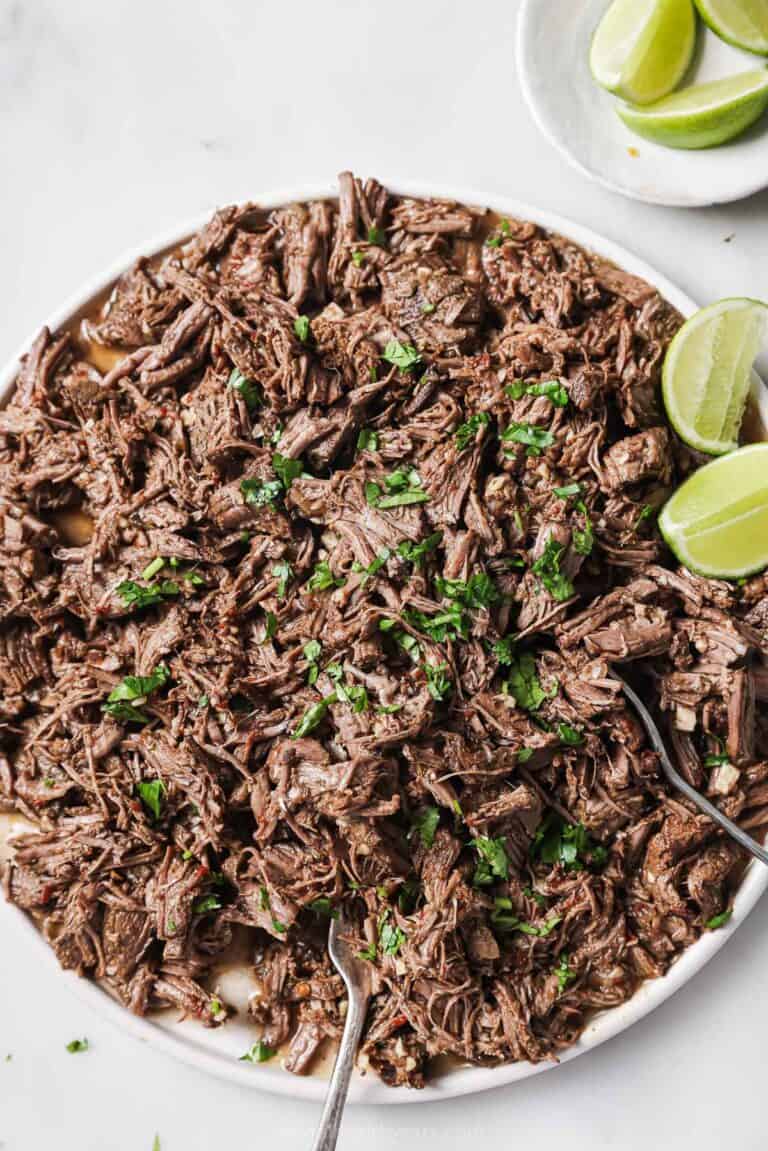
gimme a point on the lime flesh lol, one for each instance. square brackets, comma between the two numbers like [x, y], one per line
[642, 48]
[703, 115]
[707, 373]
[740, 22]
[716, 523]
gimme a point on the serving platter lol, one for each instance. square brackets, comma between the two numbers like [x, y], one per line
[217, 1052]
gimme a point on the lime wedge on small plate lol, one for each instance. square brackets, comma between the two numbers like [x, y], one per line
[642, 48]
[743, 23]
[703, 115]
[708, 371]
[716, 523]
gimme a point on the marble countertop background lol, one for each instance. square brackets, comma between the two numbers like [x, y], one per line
[120, 118]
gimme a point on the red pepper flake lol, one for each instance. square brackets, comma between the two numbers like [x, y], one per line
[398, 1022]
[202, 871]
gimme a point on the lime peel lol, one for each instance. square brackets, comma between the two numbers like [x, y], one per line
[642, 48]
[743, 23]
[702, 115]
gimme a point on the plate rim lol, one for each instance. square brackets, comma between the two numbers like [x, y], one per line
[527, 13]
[463, 1080]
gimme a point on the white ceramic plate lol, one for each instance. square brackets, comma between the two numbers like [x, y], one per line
[578, 117]
[218, 1051]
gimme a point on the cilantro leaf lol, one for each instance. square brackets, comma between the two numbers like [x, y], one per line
[322, 578]
[206, 904]
[283, 573]
[76, 1045]
[138, 596]
[466, 432]
[376, 564]
[414, 553]
[391, 938]
[504, 650]
[535, 439]
[569, 490]
[260, 1052]
[124, 701]
[547, 568]
[323, 906]
[313, 716]
[439, 685]
[301, 328]
[569, 735]
[376, 235]
[524, 683]
[286, 469]
[358, 258]
[583, 540]
[493, 862]
[403, 356]
[564, 972]
[151, 792]
[478, 591]
[367, 440]
[719, 920]
[260, 493]
[557, 841]
[424, 823]
[552, 389]
[250, 391]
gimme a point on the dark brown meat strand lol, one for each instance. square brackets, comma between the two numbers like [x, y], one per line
[413, 762]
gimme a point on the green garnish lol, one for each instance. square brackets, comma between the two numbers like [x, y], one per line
[478, 591]
[391, 938]
[414, 553]
[718, 920]
[404, 487]
[535, 439]
[376, 564]
[124, 702]
[260, 493]
[403, 356]
[286, 469]
[524, 684]
[493, 861]
[313, 716]
[503, 921]
[151, 792]
[552, 389]
[424, 823]
[302, 329]
[358, 258]
[557, 841]
[547, 568]
[368, 953]
[504, 650]
[367, 440]
[439, 685]
[206, 904]
[135, 596]
[322, 578]
[353, 694]
[76, 1045]
[283, 573]
[376, 236]
[270, 625]
[466, 432]
[583, 540]
[258, 1053]
[388, 708]
[569, 490]
[323, 906]
[716, 760]
[564, 972]
[569, 735]
[153, 568]
[646, 512]
[250, 391]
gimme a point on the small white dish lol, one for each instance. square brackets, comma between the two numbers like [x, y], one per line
[217, 1051]
[579, 118]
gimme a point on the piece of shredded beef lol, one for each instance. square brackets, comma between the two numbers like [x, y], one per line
[369, 499]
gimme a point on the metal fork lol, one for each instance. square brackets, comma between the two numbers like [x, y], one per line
[746, 841]
[356, 978]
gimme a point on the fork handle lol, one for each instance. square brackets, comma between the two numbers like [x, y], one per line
[330, 1120]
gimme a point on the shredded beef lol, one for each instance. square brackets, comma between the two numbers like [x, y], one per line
[370, 498]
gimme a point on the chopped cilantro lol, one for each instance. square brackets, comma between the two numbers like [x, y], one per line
[478, 591]
[504, 921]
[466, 432]
[151, 792]
[206, 904]
[358, 258]
[569, 735]
[402, 486]
[250, 391]
[136, 596]
[414, 553]
[535, 439]
[323, 906]
[504, 649]
[286, 469]
[493, 862]
[552, 389]
[313, 716]
[124, 702]
[403, 356]
[547, 568]
[153, 568]
[557, 841]
[322, 578]
[302, 329]
[564, 972]
[716, 760]
[524, 754]
[439, 685]
[260, 493]
[260, 1052]
[376, 236]
[424, 823]
[76, 1045]
[391, 938]
[567, 491]
[524, 683]
[368, 440]
[270, 625]
[376, 564]
[368, 953]
[646, 512]
[719, 920]
[283, 573]
[388, 708]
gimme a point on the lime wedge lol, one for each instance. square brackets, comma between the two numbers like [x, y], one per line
[703, 115]
[717, 522]
[740, 22]
[642, 48]
[707, 373]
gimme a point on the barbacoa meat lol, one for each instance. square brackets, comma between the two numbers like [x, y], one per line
[366, 510]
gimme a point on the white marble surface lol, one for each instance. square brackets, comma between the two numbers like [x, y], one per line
[117, 119]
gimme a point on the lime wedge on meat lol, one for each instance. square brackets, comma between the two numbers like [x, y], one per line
[743, 23]
[707, 373]
[703, 115]
[642, 48]
[716, 523]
